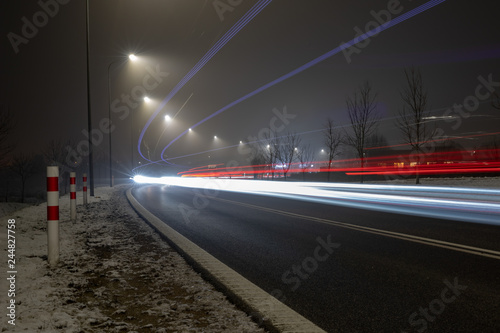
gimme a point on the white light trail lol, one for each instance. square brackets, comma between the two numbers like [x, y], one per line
[454, 203]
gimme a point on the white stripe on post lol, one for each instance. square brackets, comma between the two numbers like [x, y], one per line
[72, 195]
[53, 215]
[84, 188]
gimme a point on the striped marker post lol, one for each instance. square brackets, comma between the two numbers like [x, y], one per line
[84, 188]
[53, 215]
[72, 195]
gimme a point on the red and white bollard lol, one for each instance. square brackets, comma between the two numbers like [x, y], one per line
[72, 195]
[84, 188]
[53, 215]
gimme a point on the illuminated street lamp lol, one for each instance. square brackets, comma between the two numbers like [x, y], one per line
[132, 57]
[167, 118]
[147, 99]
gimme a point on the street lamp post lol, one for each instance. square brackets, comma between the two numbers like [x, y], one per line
[146, 100]
[89, 111]
[132, 57]
[109, 117]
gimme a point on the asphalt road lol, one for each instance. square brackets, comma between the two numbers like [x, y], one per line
[346, 269]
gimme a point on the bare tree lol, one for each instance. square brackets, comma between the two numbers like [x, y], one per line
[55, 153]
[288, 151]
[362, 111]
[412, 118]
[332, 140]
[271, 151]
[257, 160]
[6, 127]
[24, 167]
[305, 155]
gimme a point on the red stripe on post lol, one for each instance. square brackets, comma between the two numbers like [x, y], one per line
[84, 179]
[52, 184]
[72, 195]
[85, 189]
[52, 213]
[72, 180]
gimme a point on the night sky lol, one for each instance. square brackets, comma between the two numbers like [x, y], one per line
[44, 76]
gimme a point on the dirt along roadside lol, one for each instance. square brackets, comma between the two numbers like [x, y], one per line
[115, 275]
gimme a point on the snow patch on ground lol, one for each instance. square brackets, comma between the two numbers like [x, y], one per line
[115, 275]
[7, 208]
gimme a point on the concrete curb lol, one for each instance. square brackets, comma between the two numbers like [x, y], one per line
[265, 309]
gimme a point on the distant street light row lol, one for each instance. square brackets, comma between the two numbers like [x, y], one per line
[133, 57]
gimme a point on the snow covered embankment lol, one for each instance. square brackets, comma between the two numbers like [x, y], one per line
[115, 275]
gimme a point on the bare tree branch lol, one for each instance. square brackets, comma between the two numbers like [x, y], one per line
[271, 151]
[305, 155]
[24, 167]
[362, 111]
[332, 140]
[412, 118]
[288, 150]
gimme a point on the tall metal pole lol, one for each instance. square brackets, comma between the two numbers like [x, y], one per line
[91, 160]
[109, 118]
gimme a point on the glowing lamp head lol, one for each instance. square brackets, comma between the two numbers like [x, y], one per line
[132, 57]
[147, 99]
[167, 118]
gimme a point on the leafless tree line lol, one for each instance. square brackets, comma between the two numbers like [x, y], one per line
[364, 117]
[285, 151]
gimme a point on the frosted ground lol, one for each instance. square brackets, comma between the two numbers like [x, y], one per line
[116, 274]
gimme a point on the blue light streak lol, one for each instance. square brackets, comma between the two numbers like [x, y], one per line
[256, 9]
[313, 62]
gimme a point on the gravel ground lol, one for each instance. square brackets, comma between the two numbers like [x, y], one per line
[115, 275]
